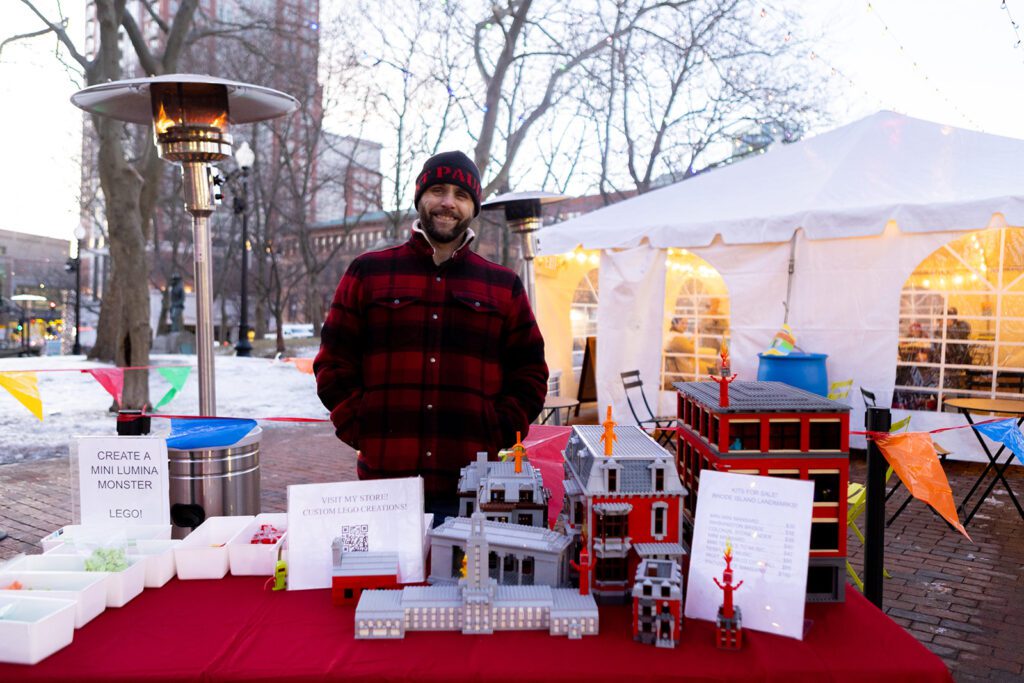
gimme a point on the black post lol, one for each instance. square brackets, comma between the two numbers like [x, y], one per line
[875, 420]
[243, 347]
[77, 348]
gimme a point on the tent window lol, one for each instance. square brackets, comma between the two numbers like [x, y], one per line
[696, 318]
[583, 315]
[961, 331]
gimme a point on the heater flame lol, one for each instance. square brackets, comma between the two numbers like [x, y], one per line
[163, 122]
[220, 121]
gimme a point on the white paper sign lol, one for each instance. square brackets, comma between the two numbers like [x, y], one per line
[767, 521]
[376, 515]
[122, 479]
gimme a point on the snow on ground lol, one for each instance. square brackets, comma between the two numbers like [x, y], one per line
[75, 403]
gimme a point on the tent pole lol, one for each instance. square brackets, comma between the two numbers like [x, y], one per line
[789, 281]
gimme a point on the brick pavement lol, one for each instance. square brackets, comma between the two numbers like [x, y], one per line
[963, 601]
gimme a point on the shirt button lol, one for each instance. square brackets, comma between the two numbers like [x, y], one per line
[438, 278]
[396, 301]
[430, 406]
[475, 303]
[433, 360]
[434, 316]
[428, 454]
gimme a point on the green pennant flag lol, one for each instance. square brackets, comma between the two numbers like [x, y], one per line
[176, 377]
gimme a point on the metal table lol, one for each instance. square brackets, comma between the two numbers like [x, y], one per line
[990, 406]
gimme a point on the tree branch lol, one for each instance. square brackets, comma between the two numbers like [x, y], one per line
[62, 35]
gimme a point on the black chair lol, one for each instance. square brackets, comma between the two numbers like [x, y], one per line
[662, 428]
[869, 397]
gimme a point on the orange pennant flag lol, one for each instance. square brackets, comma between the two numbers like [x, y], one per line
[303, 364]
[912, 455]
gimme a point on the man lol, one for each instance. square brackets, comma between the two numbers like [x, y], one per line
[430, 353]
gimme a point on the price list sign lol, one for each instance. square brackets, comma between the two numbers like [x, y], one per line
[766, 521]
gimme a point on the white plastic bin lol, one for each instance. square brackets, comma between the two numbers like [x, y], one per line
[98, 533]
[122, 586]
[159, 557]
[256, 559]
[86, 589]
[203, 554]
[32, 629]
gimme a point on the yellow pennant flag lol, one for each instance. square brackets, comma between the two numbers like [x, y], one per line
[24, 386]
[912, 455]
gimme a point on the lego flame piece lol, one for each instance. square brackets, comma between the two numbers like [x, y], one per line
[609, 437]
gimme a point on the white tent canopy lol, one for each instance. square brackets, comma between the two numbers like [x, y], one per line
[867, 202]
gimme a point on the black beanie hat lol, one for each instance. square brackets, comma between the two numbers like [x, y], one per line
[451, 168]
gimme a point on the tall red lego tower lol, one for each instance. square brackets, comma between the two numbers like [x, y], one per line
[773, 429]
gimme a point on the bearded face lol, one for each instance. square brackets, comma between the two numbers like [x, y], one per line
[446, 212]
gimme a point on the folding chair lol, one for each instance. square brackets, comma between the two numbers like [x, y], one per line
[661, 428]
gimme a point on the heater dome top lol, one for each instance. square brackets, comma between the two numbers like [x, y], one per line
[129, 100]
[512, 197]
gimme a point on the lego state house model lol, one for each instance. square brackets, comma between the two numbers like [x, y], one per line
[477, 604]
[511, 491]
[771, 428]
[621, 508]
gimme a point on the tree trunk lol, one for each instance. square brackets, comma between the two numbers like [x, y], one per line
[127, 300]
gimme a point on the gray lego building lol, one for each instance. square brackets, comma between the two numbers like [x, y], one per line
[476, 605]
[502, 494]
[519, 555]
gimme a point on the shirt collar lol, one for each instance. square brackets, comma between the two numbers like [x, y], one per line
[425, 245]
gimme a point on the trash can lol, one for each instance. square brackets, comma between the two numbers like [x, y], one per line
[214, 482]
[802, 370]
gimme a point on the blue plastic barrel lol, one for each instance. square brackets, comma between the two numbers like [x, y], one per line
[804, 370]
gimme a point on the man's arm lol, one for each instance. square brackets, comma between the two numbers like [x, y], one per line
[525, 373]
[338, 365]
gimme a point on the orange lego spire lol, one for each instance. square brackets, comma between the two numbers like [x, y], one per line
[609, 437]
[518, 453]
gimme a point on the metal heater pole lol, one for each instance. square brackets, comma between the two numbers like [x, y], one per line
[875, 420]
[199, 203]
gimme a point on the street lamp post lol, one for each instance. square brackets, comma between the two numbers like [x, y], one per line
[245, 158]
[79, 236]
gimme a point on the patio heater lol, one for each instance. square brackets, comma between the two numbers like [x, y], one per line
[523, 217]
[190, 115]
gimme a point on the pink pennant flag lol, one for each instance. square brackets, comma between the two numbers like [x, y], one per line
[112, 380]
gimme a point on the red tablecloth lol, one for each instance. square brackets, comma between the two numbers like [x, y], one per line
[232, 630]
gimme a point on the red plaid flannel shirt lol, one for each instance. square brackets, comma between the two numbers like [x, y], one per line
[422, 366]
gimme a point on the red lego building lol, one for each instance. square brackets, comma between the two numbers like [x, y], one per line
[658, 603]
[773, 429]
[625, 507]
[355, 572]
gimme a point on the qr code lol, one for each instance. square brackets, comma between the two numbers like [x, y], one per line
[355, 537]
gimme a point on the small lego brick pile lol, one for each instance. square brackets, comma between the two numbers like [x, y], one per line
[268, 534]
[107, 560]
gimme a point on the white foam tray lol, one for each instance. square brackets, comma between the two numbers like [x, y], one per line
[32, 629]
[122, 586]
[256, 559]
[104, 532]
[88, 590]
[203, 554]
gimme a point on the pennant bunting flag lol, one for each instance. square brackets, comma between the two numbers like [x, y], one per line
[913, 456]
[111, 379]
[176, 377]
[1007, 433]
[783, 343]
[24, 386]
[303, 364]
[208, 432]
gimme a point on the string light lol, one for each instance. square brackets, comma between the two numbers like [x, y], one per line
[1013, 24]
[871, 10]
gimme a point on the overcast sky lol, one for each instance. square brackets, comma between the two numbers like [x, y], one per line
[958, 62]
